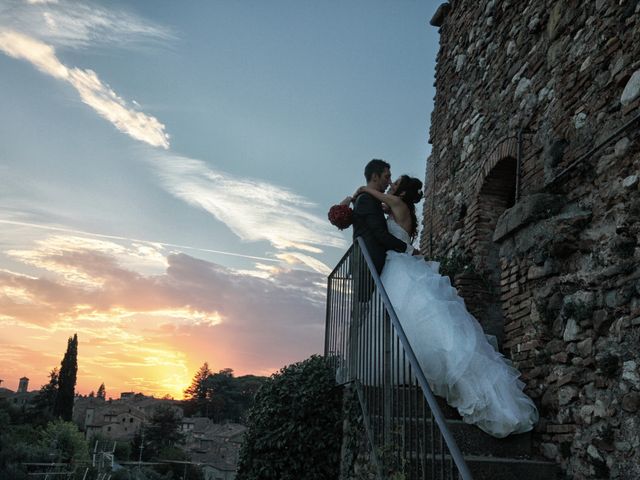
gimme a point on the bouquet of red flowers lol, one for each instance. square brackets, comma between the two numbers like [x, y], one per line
[341, 216]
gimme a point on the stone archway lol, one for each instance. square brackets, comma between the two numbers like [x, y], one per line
[495, 193]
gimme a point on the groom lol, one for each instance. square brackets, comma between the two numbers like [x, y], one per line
[368, 217]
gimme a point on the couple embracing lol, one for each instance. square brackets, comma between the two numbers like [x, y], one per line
[459, 362]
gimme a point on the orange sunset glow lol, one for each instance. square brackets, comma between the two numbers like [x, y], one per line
[149, 332]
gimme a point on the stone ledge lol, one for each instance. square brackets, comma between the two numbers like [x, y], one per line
[438, 18]
[530, 208]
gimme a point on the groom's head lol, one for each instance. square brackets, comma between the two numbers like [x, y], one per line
[378, 174]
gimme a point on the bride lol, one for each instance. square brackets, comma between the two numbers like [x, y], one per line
[452, 349]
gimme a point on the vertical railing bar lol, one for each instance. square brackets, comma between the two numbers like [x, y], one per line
[415, 420]
[423, 452]
[409, 417]
[404, 409]
[433, 446]
[442, 461]
[340, 323]
[380, 379]
[386, 383]
[396, 392]
[336, 323]
[361, 325]
[340, 319]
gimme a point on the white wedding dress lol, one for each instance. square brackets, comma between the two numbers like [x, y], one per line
[459, 362]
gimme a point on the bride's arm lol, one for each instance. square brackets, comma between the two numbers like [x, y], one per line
[394, 203]
[346, 201]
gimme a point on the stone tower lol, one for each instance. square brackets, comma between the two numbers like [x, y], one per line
[23, 385]
[533, 203]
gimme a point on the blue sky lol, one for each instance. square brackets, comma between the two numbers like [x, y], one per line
[148, 144]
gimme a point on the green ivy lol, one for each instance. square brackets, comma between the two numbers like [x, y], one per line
[295, 425]
[458, 262]
[455, 263]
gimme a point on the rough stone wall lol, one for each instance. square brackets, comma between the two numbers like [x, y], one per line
[553, 237]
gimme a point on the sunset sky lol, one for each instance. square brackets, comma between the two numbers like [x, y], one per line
[166, 168]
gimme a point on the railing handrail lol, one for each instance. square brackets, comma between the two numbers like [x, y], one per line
[422, 379]
[438, 416]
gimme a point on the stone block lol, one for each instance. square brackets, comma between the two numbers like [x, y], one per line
[560, 357]
[554, 346]
[631, 402]
[632, 89]
[527, 210]
[601, 321]
[630, 182]
[536, 272]
[630, 373]
[550, 450]
[571, 330]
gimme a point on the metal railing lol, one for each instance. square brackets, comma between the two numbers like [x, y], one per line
[368, 348]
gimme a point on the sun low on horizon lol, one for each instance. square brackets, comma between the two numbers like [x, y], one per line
[149, 332]
[166, 171]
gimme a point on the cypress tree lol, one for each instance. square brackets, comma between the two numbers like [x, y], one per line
[63, 407]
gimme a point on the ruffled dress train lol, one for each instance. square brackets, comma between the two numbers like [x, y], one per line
[458, 361]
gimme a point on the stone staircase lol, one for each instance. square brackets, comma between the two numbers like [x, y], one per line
[491, 458]
[487, 457]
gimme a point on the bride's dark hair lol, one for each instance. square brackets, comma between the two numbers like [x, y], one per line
[412, 189]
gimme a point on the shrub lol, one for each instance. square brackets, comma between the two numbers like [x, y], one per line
[295, 425]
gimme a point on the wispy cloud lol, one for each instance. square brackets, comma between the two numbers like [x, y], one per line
[41, 2]
[254, 210]
[143, 244]
[71, 24]
[92, 91]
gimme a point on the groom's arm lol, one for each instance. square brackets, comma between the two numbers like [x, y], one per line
[368, 209]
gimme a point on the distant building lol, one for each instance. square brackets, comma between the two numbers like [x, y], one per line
[115, 422]
[23, 385]
[215, 446]
[116, 419]
[21, 397]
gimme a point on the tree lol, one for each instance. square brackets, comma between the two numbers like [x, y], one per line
[63, 407]
[223, 396]
[197, 395]
[65, 441]
[220, 396]
[163, 430]
[18, 443]
[42, 406]
[295, 425]
[102, 393]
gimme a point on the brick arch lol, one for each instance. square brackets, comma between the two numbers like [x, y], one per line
[506, 148]
[494, 193]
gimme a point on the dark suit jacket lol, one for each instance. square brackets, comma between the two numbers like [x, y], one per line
[370, 224]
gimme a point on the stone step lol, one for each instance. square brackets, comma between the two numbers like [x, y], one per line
[497, 468]
[470, 439]
[484, 468]
[473, 441]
